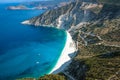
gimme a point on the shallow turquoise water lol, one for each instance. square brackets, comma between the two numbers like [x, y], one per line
[27, 51]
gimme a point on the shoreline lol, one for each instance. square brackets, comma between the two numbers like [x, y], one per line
[68, 52]
[26, 22]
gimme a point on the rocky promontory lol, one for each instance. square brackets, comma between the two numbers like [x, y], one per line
[20, 7]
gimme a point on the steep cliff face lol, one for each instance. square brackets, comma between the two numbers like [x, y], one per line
[67, 16]
[95, 26]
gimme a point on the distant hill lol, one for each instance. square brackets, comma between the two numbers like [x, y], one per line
[40, 5]
[50, 4]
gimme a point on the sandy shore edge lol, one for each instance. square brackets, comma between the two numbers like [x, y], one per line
[65, 59]
[69, 51]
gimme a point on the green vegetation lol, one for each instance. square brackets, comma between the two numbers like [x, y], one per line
[100, 67]
[48, 77]
[111, 30]
[93, 50]
[26, 79]
[117, 2]
[103, 67]
[53, 77]
[96, 10]
[112, 36]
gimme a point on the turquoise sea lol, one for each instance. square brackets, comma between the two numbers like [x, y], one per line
[27, 51]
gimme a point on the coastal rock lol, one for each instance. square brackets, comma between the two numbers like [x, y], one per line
[19, 7]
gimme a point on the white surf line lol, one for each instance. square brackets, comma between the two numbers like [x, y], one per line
[26, 22]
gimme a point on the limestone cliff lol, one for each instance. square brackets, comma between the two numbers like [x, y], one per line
[67, 16]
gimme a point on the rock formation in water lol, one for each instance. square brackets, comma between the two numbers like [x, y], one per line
[20, 7]
[95, 26]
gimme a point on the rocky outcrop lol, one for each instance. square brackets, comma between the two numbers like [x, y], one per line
[66, 16]
[19, 7]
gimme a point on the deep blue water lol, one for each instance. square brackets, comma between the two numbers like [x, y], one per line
[27, 51]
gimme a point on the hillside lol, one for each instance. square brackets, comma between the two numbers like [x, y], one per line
[95, 26]
[114, 2]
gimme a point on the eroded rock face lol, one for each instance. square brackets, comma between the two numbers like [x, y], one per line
[67, 16]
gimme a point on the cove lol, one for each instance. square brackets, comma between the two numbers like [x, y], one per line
[27, 51]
